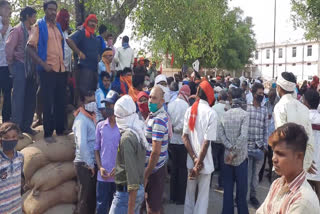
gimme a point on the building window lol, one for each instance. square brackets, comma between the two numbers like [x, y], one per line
[267, 65]
[256, 55]
[294, 51]
[280, 53]
[268, 53]
[280, 65]
[309, 63]
[294, 64]
[309, 53]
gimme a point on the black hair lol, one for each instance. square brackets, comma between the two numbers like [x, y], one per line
[245, 83]
[312, 97]
[170, 80]
[293, 134]
[255, 87]
[137, 80]
[197, 75]
[236, 82]
[202, 95]
[174, 86]
[193, 88]
[289, 77]
[3, 3]
[109, 35]
[104, 74]
[106, 49]
[223, 95]
[46, 4]
[127, 70]
[8, 126]
[83, 95]
[102, 29]
[125, 39]
[27, 12]
[236, 93]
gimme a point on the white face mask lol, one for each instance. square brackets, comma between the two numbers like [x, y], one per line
[90, 107]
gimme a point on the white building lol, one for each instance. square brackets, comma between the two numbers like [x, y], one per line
[301, 58]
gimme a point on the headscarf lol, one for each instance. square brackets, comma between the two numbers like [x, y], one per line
[160, 78]
[63, 19]
[184, 93]
[143, 107]
[128, 119]
[208, 90]
[105, 61]
[315, 82]
[88, 30]
[285, 84]
[131, 90]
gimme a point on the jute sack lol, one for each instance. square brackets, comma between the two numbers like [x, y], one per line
[65, 193]
[34, 159]
[61, 150]
[62, 209]
[52, 175]
[24, 142]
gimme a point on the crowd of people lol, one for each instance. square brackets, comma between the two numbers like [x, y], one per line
[134, 126]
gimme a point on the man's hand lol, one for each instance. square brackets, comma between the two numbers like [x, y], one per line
[312, 170]
[82, 55]
[47, 68]
[104, 174]
[92, 171]
[113, 172]
[146, 177]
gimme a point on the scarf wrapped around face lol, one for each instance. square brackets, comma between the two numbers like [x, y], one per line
[208, 90]
[106, 61]
[88, 30]
[128, 119]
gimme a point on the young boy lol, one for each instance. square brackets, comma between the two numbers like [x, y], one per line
[11, 166]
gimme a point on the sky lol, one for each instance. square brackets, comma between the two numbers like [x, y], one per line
[262, 12]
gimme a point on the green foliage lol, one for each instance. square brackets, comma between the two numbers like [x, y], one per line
[196, 29]
[306, 14]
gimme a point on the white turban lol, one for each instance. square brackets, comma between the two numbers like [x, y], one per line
[128, 119]
[285, 84]
[160, 78]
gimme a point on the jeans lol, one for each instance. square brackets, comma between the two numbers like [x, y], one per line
[238, 175]
[218, 159]
[53, 89]
[254, 166]
[191, 206]
[23, 97]
[5, 90]
[87, 189]
[105, 191]
[179, 172]
[120, 202]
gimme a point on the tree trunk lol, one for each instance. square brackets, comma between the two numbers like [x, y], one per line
[79, 11]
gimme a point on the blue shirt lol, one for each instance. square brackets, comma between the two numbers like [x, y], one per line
[84, 136]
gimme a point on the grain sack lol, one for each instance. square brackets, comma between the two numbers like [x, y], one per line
[52, 175]
[62, 209]
[65, 193]
[61, 150]
[39, 135]
[24, 142]
[34, 159]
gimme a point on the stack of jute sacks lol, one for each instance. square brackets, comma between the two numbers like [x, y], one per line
[50, 176]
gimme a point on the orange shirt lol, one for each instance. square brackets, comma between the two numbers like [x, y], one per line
[54, 49]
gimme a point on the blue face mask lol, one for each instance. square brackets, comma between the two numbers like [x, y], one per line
[9, 145]
[153, 107]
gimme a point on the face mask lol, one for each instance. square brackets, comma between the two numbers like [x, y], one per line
[143, 107]
[9, 145]
[153, 107]
[109, 112]
[259, 98]
[90, 107]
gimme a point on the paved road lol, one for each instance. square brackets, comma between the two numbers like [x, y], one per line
[215, 200]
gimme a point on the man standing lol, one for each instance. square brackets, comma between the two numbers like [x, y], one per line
[290, 110]
[157, 151]
[200, 128]
[124, 56]
[130, 159]
[106, 146]
[88, 48]
[177, 150]
[49, 57]
[5, 79]
[311, 100]
[102, 36]
[101, 94]
[257, 139]
[233, 132]
[24, 86]
[291, 193]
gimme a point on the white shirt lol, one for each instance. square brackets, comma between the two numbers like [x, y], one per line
[3, 60]
[124, 58]
[315, 119]
[176, 111]
[205, 129]
[67, 52]
[219, 109]
[290, 110]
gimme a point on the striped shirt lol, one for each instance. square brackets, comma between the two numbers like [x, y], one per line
[295, 197]
[157, 130]
[10, 185]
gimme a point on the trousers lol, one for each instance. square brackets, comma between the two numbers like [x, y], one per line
[254, 167]
[105, 191]
[5, 90]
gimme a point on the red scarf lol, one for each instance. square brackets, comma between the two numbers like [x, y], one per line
[88, 30]
[208, 90]
[83, 111]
